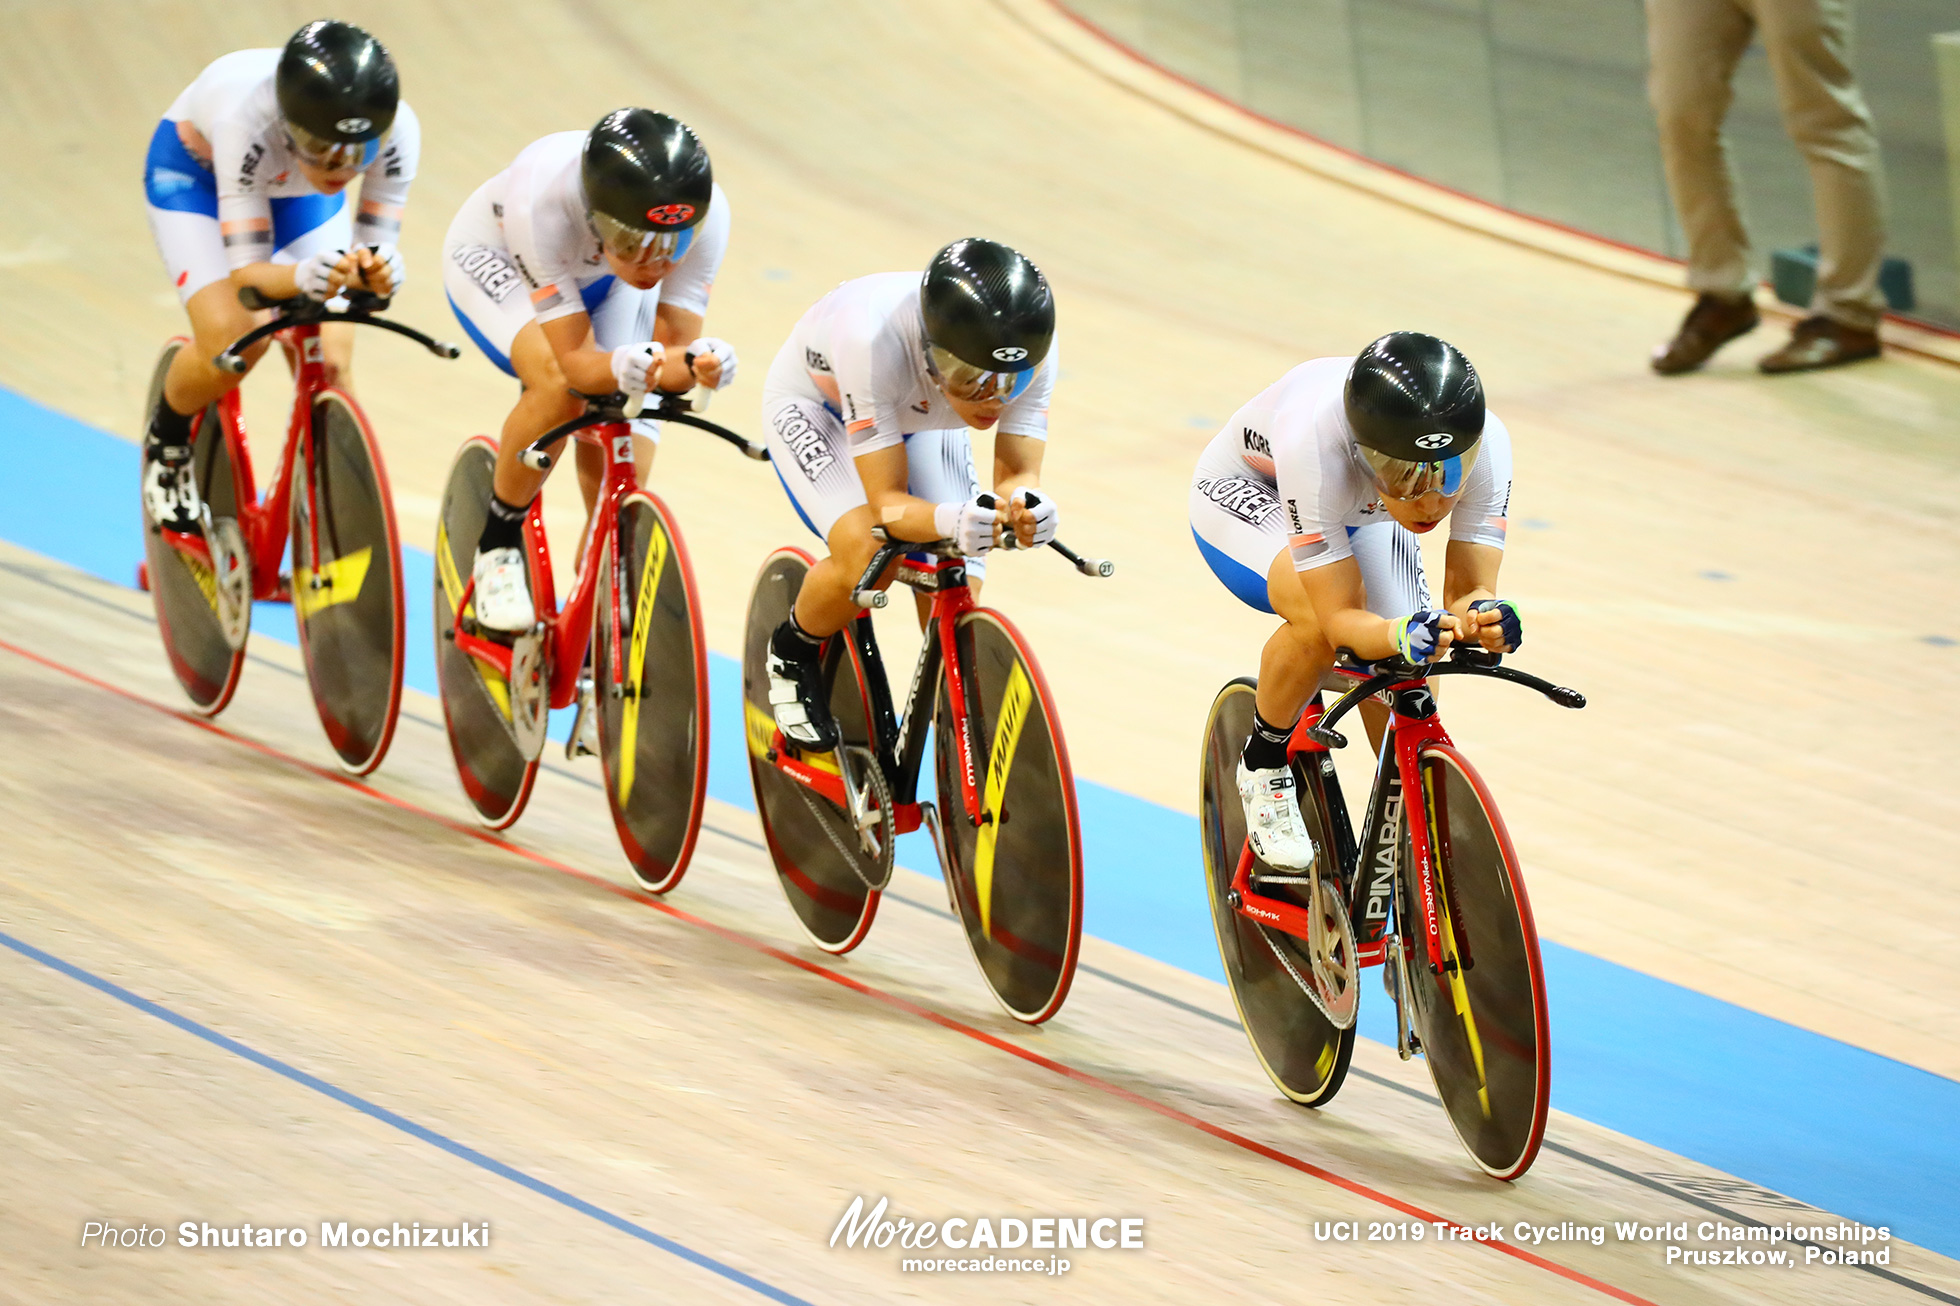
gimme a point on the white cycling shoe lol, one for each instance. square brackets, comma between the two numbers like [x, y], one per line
[1272, 818]
[503, 591]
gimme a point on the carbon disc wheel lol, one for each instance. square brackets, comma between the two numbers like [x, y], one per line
[496, 773]
[347, 583]
[650, 686]
[1302, 1052]
[1015, 877]
[1482, 1021]
[824, 871]
[199, 616]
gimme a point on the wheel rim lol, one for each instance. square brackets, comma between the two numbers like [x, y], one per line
[1484, 1031]
[810, 840]
[1302, 1052]
[650, 689]
[204, 658]
[496, 775]
[1020, 899]
[347, 584]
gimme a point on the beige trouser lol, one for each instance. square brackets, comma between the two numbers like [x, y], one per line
[1693, 46]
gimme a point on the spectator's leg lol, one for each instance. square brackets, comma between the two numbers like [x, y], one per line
[1692, 48]
[1808, 42]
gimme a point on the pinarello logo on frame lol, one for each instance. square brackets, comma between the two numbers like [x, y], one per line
[669, 215]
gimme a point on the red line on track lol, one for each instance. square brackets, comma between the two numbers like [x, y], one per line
[940, 1019]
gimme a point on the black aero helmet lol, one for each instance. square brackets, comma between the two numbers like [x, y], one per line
[647, 183]
[989, 318]
[338, 92]
[1416, 408]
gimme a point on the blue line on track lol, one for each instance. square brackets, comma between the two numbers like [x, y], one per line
[403, 1123]
[1857, 1134]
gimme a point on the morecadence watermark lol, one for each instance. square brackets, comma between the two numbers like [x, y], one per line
[878, 1227]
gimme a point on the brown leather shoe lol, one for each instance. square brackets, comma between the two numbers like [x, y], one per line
[1710, 324]
[1821, 342]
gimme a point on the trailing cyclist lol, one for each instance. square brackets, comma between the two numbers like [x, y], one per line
[868, 406]
[245, 184]
[584, 265]
[1307, 505]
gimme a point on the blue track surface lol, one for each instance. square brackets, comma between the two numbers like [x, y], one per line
[1854, 1133]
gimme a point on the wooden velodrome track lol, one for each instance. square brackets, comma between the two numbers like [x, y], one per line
[1742, 573]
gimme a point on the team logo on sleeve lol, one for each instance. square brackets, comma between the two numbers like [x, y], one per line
[670, 215]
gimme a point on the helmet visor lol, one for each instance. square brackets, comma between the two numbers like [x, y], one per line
[638, 245]
[329, 155]
[1397, 478]
[969, 384]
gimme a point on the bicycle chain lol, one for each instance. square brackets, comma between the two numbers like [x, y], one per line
[850, 857]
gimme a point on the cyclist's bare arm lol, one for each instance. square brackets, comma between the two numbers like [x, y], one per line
[1470, 574]
[586, 367]
[1340, 607]
[885, 474]
[1017, 466]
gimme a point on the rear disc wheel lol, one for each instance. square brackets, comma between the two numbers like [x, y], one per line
[496, 773]
[1303, 1053]
[824, 870]
[203, 601]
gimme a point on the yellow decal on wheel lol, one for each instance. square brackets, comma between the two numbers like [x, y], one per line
[339, 581]
[1452, 963]
[629, 727]
[1000, 759]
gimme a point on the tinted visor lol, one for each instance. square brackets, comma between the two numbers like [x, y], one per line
[638, 245]
[969, 384]
[331, 156]
[1398, 478]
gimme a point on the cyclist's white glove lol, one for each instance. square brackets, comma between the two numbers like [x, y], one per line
[724, 354]
[637, 367]
[968, 525]
[313, 275]
[1043, 507]
[390, 258]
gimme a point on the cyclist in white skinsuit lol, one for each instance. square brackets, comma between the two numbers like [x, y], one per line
[867, 409]
[1302, 508]
[245, 184]
[580, 266]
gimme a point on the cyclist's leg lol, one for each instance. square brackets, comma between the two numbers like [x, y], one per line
[810, 451]
[1236, 520]
[939, 469]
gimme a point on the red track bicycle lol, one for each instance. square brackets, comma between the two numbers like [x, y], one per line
[1437, 892]
[1005, 828]
[633, 604]
[330, 497]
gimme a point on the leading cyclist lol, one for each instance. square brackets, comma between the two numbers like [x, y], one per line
[582, 265]
[867, 407]
[1307, 505]
[246, 184]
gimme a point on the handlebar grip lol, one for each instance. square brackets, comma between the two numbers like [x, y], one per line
[870, 598]
[1326, 738]
[443, 349]
[1568, 697]
[635, 401]
[536, 459]
[230, 362]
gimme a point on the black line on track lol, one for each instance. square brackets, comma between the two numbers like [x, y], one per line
[41, 576]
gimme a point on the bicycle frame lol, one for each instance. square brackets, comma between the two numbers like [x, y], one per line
[569, 629]
[901, 755]
[1416, 724]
